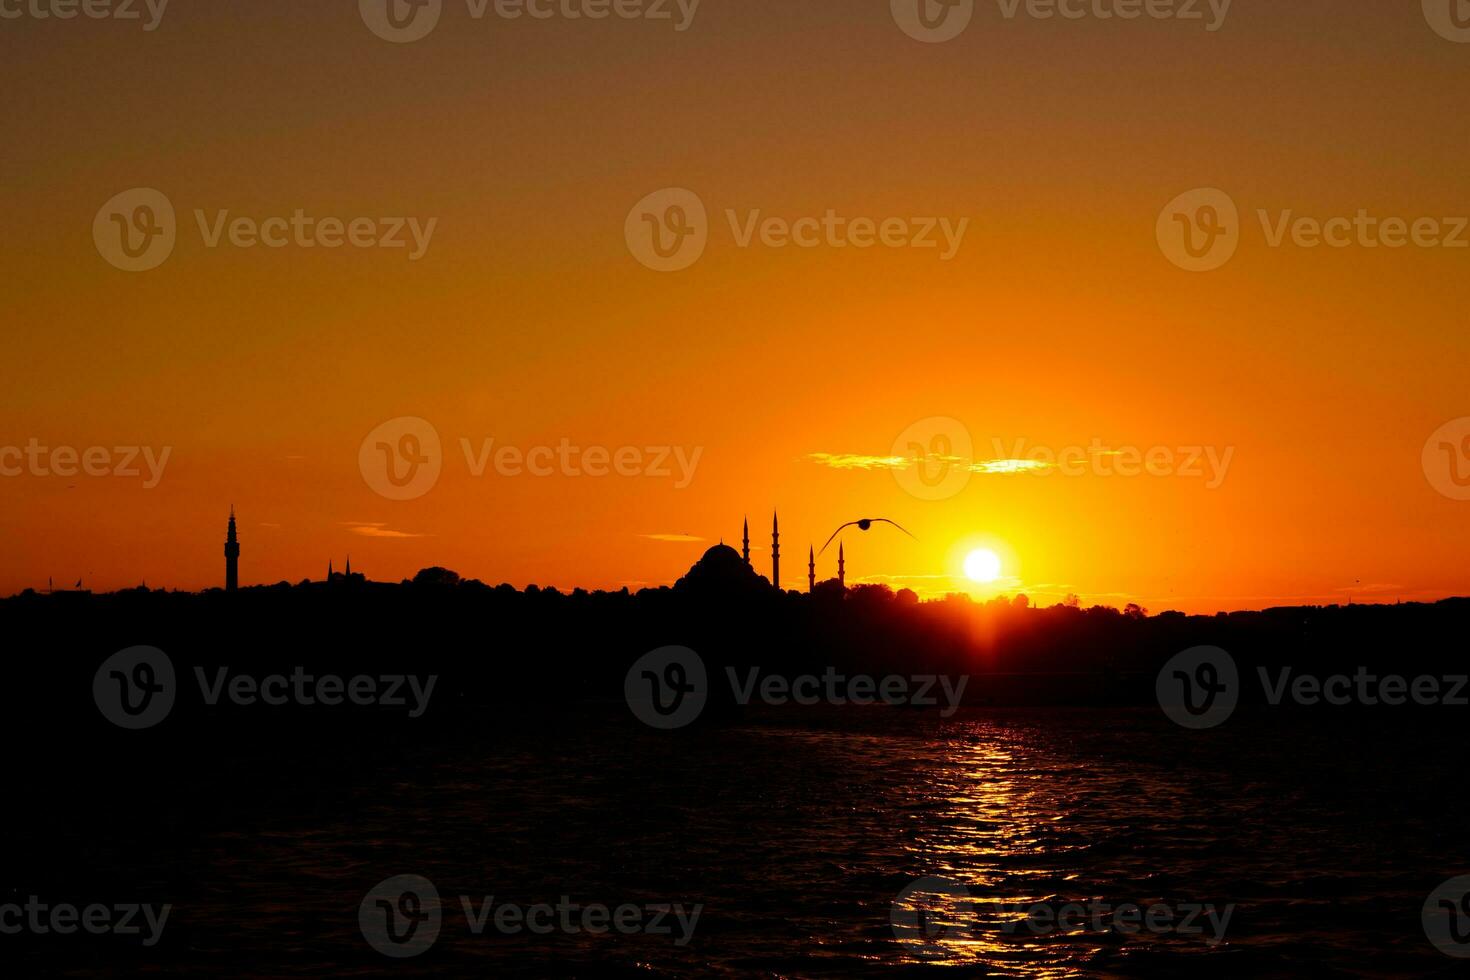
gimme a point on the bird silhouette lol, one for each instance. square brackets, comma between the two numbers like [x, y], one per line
[866, 524]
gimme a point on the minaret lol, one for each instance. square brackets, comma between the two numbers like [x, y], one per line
[776, 550]
[747, 541]
[841, 566]
[811, 569]
[330, 570]
[348, 573]
[232, 556]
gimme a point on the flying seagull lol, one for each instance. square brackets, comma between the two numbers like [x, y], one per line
[866, 524]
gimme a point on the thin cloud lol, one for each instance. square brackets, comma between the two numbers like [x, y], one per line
[378, 530]
[851, 461]
[854, 461]
[675, 538]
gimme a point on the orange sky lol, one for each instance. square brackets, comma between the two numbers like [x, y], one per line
[1059, 320]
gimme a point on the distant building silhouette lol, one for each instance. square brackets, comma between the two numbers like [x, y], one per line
[811, 568]
[721, 571]
[346, 577]
[232, 556]
[51, 589]
[776, 550]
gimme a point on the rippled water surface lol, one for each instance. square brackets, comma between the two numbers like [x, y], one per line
[796, 833]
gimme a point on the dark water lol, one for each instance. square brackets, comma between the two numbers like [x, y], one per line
[795, 832]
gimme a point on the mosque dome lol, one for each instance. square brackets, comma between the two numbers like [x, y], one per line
[722, 554]
[721, 569]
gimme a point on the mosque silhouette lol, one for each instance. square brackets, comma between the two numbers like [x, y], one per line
[720, 569]
[723, 569]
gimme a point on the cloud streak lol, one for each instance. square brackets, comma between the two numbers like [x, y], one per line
[378, 530]
[855, 461]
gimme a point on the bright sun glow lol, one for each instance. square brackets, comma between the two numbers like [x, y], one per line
[982, 565]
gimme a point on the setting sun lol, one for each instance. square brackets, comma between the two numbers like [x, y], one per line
[982, 565]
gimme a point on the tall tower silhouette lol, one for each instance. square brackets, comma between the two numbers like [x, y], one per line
[232, 556]
[811, 569]
[776, 549]
[841, 566]
[747, 541]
